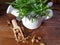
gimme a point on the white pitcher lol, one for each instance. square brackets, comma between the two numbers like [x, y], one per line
[26, 22]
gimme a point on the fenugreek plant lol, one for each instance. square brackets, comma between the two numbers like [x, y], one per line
[31, 8]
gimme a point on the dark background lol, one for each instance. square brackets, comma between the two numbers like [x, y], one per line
[3, 4]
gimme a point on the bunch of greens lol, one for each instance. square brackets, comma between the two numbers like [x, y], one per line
[26, 7]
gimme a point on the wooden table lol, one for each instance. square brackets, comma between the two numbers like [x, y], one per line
[49, 30]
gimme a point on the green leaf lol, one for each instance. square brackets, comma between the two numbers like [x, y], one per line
[25, 7]
[44, 1]
[32, 1]
[33, 19]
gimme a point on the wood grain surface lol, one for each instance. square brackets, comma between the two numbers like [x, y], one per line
[49, 29]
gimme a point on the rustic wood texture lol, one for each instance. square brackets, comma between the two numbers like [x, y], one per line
[55, 1]
[49, 30]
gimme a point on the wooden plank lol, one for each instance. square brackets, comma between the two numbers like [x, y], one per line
[49, 30]
[6, 34]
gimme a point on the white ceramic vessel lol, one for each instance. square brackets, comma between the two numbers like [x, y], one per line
[26, 22]
[31, 25]
[12, 11]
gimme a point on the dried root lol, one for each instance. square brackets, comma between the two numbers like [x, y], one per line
[39, 38]
[33, 39]
[8, 22]
[42, 43]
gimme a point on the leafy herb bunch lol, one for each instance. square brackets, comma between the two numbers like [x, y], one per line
[31, 8]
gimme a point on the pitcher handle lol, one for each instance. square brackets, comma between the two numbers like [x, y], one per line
[50, 14]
